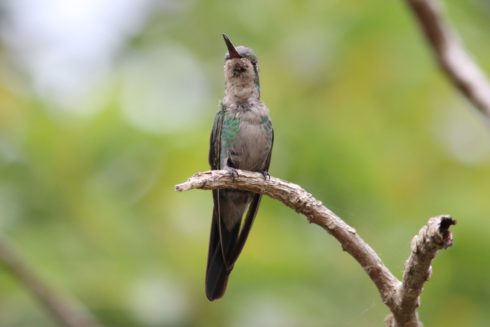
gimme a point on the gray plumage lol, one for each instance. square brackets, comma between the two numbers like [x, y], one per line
[241, 138]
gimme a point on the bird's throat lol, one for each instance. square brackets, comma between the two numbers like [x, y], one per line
[240, 91]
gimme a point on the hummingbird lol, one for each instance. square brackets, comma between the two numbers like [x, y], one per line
[241, 138]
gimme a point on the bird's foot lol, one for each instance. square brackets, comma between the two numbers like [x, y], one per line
[266, 175]
[233, 173]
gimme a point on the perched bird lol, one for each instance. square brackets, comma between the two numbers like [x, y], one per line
[241, 138]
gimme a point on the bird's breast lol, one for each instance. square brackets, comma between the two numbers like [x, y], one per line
[247, 140]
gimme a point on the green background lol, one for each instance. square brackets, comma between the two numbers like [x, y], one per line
[363, 119]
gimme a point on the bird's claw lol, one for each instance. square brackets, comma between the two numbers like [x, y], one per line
[233, 173]
[266, 175]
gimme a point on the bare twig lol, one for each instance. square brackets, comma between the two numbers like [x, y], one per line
[401, 298]
[433, 237]
[463, 72]
[66, 311]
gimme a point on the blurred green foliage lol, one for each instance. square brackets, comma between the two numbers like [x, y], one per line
[363, 119]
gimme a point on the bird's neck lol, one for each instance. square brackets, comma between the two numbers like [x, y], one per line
[240, 91]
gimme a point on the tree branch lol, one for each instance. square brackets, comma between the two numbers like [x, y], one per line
[434, 236]
[401, 298]
[462, 71]
[66, 311]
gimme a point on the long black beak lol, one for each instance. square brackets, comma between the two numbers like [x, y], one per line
[231, 49]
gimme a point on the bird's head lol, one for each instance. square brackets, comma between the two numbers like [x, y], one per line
[241, 71]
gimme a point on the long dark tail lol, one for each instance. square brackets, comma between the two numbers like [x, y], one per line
[226, 240]
[217, 271]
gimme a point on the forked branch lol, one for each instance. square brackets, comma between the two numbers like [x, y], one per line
[401, 297]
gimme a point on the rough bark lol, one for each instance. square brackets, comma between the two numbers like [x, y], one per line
[401, 297]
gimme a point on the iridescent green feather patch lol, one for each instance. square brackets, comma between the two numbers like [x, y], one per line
[230, 130]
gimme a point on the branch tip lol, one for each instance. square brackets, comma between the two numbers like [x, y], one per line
[446, 222]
